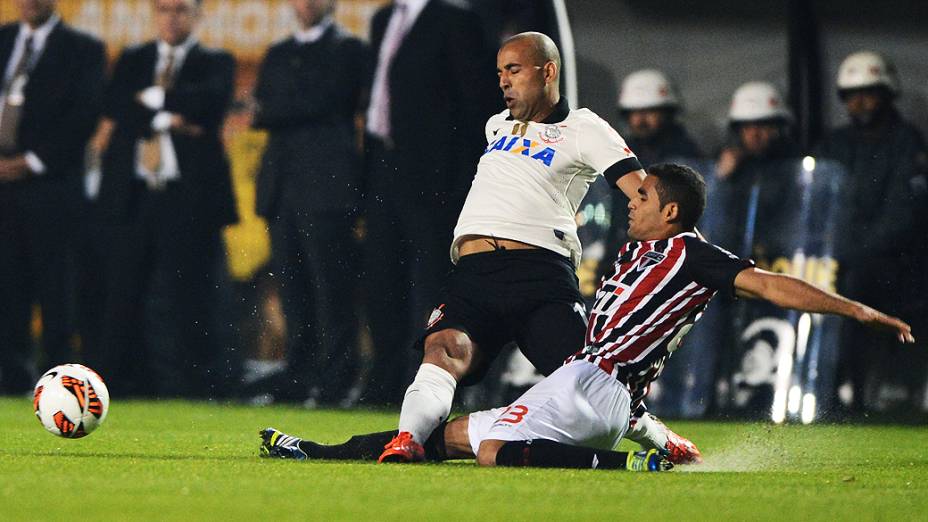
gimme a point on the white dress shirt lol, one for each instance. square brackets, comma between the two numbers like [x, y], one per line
[314, 33]
[403, 17]
[39, 37]
[153, 98]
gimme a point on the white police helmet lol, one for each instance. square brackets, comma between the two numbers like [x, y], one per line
[867, 69]
[756, 101]
[647, 89]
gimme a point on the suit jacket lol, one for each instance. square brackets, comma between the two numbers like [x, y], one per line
[63, 100]
[442, 91]
[308, 96]
[201, 93]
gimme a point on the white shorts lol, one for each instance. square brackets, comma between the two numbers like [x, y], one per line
[578, 404]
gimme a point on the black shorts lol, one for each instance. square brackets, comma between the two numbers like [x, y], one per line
[530, 297]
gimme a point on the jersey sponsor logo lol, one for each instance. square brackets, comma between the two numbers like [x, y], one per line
[520, 128]
[523, 146]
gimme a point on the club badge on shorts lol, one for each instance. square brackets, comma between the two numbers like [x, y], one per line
[437, 315]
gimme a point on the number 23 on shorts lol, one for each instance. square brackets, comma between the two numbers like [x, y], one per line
[513, 414]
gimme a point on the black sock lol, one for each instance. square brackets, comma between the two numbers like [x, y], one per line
[541, 453]
[359, 447]
[435, 450]
[369, 446]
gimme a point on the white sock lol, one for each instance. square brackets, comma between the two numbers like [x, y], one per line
[427, 401]
[648, 432]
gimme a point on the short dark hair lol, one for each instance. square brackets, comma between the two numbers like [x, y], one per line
[681, 185]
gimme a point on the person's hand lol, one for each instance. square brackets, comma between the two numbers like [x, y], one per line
[151, 97]
[181, 126]
[880, 321]
[13, 168]
[728, 162]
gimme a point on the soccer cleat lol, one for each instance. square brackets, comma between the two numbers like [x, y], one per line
[402, 449]
[277, 444]
[649, 460]
[680, 449]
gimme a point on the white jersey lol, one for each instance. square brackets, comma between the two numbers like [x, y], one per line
[533, 176]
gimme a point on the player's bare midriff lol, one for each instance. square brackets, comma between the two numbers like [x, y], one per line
[475, 244]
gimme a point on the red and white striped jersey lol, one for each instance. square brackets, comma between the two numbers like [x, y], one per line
[655, 294]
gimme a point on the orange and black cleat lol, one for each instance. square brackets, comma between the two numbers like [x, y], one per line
[402, 449]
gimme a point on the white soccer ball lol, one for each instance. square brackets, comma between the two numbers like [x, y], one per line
[71, 400]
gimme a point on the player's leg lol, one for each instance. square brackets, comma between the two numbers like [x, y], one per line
[571, 419]
[542, 453]
[277, 444]
[552, 331]
[549, 332]
[450, 354]
[462, 337]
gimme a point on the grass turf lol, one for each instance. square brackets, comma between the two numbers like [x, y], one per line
[177, 460]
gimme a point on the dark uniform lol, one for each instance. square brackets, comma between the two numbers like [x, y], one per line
[166, 259]
[417, 177]
[885, 199]
[59, 106]
[308, 189]
[768, 176]
[672, 142]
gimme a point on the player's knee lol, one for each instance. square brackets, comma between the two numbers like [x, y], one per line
[486, 453]
[451, 350]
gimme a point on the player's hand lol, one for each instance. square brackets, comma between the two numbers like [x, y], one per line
[880, 321]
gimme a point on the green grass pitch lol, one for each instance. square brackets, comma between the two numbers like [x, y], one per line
[177, 460]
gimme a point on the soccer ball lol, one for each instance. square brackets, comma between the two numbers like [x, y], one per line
[71, 400]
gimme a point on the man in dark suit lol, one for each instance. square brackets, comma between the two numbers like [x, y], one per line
[308, 95]
[430, 99]
[50, 93]
[166, 188]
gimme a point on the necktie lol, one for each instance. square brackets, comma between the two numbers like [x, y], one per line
[151, 153]
[380, 124]
[13, 102]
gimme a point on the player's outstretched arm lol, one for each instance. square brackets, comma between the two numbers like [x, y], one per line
[630, 182]
[790, 292]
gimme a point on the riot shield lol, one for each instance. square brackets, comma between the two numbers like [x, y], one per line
[786, 216]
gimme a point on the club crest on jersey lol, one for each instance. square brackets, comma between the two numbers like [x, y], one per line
[551, 134]
[523, 146]
[650, 259]
[437, 315]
